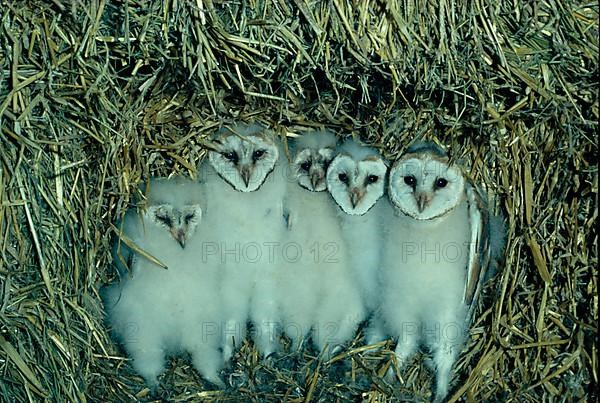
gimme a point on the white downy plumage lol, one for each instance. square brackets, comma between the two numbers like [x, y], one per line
[356, 180]
[158, 311]
[436, 253]
[316, 253]
[245, 187]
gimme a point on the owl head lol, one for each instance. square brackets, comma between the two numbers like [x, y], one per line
[244, 155]
[424, 184]
[175, 205]
[181, 223]
[356, 177]
[312, 154]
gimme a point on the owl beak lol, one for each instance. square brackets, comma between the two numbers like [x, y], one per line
[316, 178]
[356, 196]
[423, 200]
[179, 236]
[246, 172]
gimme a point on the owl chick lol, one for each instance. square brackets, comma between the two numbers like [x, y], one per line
[314, 246]
[245, 187]
[356, 180]
[435, 256]
[166, 211]
[344, 281]
[156, 312]
[312, 154]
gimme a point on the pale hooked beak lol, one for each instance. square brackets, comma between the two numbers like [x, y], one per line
[316, 178]
[356, 196]
[423, 200]
[179, 236]
[246, 172]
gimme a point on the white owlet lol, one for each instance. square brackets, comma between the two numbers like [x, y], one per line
[158, 310]
[165, 211]
[245, 187]
[356, 179]
[315, 255]
[435, 257]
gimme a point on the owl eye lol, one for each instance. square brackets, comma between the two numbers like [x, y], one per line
[343, 177]
[165, 219]
[231, 156]
[440, 183]
[372, 178]
[258, 154]
[188, 217]
[410, 181]
[305, 166]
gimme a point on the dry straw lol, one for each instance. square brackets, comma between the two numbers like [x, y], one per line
[96, 96]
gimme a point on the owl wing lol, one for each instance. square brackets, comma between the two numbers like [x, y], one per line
[479, 250]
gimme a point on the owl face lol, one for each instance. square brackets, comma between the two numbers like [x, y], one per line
[356, 184]
[244, 161]
[310, 167]
[181, 223]
[312, 154]
[424, 186]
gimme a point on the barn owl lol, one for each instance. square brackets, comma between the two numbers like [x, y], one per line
[315, 252]
[356, 180]
[245, 187]
[436, 253]
[164, 210]
[167, 310]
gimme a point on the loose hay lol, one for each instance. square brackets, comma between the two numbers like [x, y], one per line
[95, 96]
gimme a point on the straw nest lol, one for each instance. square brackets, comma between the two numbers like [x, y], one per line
[96, 96]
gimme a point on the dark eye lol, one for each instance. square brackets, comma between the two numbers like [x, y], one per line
[231, 156]
[165, 219]
[372, 178]
[188, 217]
[258, 154]
[305, 166]
[410, 181]
[343, 177]
[440, 183]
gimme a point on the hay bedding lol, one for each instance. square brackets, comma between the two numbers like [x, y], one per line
[95, 96]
